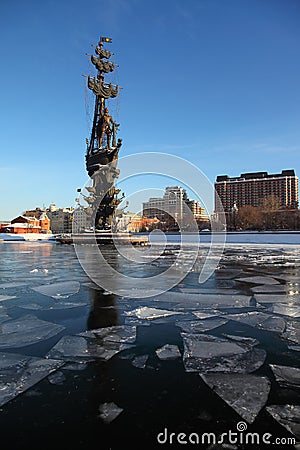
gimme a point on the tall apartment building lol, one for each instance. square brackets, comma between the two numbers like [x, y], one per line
[252, 188]
[61, 219]
[81, 220]
[173, 203]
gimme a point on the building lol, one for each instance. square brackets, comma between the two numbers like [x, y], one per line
[135, 222]
[81, 219]
[23, 224]
[61, 219]
[252, 188]
[172, 206]
[41, 215]
[197, 210]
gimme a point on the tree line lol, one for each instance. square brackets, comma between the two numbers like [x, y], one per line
[267, 216]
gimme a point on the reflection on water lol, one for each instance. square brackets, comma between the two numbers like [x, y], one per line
[103, 312]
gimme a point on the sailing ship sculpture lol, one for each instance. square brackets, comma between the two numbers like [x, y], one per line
[101, 164]
[103, 146]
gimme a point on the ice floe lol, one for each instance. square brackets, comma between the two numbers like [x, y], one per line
[258, 280]
[270, 288]
[222, 291]
[3, 298]
[286, 310]
[26, 330]
[205, 353]
[244, 339]
[292, 332]
[11, 284]
[276, 298]
[246, 394]
[200, 326]
[144, 312]
[119, 333]
[63, 289]
[210, 301]
[206, 314]
[57, 377]
[260, 320]
[285, 375]
[20, 372]
[168, 351]
[140, 361]
[50, 305]
[288, 416]
[109, 411]
[102, 344]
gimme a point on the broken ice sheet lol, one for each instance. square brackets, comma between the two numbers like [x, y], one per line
[286, 310]
[109, 411]
[140, 361]
[168, 351]
[258, 280]
[200, 326]
[270, 289]
[246, 394]
[206, 314]
[57, 377]
[222, 291]
[135, 321]
[79, 348]
[3, 298]
[144, 312]
[259, 320]
[292, 332]
[206, 300]
[58, 290]
[286, 375]
[11, 284]
[19, 372]
[26, 330]
[276, 298]
[288, 416]
[118, 333]
[205, 353]
[51, 305]
[244, 339]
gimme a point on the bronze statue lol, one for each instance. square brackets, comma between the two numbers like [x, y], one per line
[103, 146]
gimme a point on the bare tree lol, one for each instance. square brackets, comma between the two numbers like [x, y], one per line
[269, 208]
[249, 218]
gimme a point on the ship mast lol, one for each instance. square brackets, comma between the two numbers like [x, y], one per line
[103, 146]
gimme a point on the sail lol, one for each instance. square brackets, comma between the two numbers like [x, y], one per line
[102, 53]
[98, 88]
[103, 66]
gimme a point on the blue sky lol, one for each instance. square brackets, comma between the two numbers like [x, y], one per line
[213, 81]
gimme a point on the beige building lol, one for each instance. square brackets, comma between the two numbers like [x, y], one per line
[61, 219]
[173, 204]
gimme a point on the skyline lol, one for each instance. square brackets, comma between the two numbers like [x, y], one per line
[214, 83]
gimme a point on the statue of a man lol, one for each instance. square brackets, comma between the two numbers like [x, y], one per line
[105, 128]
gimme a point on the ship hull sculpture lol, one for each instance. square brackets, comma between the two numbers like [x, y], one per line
[102, 159]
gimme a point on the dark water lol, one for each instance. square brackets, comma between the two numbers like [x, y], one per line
[160, 394]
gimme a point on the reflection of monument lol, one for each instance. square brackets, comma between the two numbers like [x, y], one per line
[103, 311]
[103, 146]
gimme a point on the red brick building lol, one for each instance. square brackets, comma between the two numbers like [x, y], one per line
[23, 224]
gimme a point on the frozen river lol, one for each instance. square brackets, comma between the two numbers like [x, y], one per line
[82, 366]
